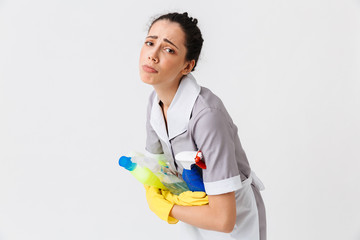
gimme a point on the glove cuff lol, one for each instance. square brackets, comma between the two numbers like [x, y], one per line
[165, 214]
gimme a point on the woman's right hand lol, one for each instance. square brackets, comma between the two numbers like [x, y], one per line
[187, 198]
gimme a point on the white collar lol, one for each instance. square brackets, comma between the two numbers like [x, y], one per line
[178, 114]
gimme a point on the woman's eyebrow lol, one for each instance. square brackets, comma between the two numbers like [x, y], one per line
[165, 40]
[168, 41]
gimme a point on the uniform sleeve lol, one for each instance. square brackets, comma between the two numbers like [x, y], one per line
[153, 144]
[214, 135]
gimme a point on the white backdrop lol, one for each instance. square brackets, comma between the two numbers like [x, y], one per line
[71, 103]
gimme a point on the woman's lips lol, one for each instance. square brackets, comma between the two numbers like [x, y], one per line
[149, 69]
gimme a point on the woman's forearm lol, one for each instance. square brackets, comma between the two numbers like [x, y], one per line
[218, 215]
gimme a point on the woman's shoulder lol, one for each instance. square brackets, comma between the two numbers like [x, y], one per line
[207, 100]
[209, 111]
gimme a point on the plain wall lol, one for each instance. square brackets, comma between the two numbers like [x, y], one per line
[72, 103]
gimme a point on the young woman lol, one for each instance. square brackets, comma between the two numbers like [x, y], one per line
[183, 116]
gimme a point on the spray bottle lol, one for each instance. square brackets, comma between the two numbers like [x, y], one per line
[153, 172]
[192, 162]
[167, 177]
[142, 174]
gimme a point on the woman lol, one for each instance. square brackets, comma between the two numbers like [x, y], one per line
[183, 116]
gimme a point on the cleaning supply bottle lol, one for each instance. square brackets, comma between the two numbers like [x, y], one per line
[154, 167]
[141, 173]
[167, 177]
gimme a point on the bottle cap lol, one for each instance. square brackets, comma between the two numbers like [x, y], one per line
[126, 163]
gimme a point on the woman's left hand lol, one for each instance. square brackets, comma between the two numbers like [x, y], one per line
[159, 205]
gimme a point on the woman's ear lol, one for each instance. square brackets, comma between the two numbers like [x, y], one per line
[189, 66]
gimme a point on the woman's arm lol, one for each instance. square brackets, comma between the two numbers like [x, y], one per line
[218, 215]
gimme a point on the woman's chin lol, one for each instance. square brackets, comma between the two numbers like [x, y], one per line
[146, 80]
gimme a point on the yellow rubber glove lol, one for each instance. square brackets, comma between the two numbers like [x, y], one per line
[187, 198]
[159, 205]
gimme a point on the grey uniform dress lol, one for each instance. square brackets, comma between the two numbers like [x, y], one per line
[197, 120]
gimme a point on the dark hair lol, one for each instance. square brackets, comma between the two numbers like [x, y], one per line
[193, 37]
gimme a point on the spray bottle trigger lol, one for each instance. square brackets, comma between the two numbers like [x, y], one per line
[198, 160]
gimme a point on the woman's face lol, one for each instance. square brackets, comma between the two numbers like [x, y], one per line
[162, 57]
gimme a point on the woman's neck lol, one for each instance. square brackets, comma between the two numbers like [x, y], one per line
[166, 97]
[166, 93]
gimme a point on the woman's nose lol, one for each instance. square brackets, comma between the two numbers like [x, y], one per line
[153, 55]
[153, 58]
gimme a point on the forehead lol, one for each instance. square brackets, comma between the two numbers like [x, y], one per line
[169, 30]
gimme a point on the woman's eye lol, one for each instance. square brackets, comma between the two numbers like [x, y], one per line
[169, 50]
[148, 43]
